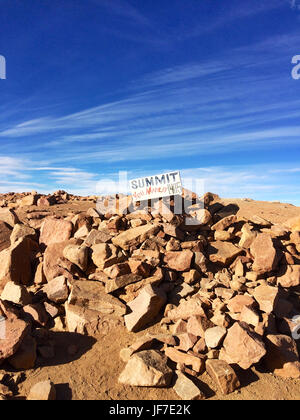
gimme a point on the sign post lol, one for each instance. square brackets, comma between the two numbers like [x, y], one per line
[156, 186]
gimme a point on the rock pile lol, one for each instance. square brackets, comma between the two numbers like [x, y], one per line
[224, 289]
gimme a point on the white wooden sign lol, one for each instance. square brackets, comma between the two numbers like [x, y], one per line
[156, 186]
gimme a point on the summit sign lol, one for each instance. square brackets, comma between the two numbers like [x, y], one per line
[156, 186]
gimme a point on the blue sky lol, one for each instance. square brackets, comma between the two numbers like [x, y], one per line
[95, 87]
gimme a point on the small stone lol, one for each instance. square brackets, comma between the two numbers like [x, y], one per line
[237, 303]
[186, 341]
[43, 391]
[148, 369]
[186, 389]
[78, 255]
[195, 362]
[223, 375]
[57, 290]
[214, 336]
[179, 260]
[267, 297]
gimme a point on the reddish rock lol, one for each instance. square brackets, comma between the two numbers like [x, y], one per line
[9, 217]
[5, 232]
[147, 368]
[57, 290]
[237, 303]
[12, 333]
[117, 270]
[44, 202]
[22, 231]
[104, 255]
[267, 298]
[242, 346]
[223, 375]
[197, 325]
[200, 346]
[173, 231]
[135, 236]
[225, 223]
[186, 309]
[282, 356]
[140, 268]
[15, 263]
[55, 230]
[293, 224]
[25, 357]
[291, 278]
[179, 260]
[117, 283]
[36, 313]
[42, 391]
[250, 316]
[223, 252]
[15, 293]
[186, 341]
[186, 389]
[214, 336]
[144, 308]
[55, 264]
[264, 253]
[196, 363]
[77, 254]
[91, 295]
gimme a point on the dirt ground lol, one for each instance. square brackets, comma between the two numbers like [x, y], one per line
[93, 372]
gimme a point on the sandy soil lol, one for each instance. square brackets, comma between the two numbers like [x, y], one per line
[93, 372]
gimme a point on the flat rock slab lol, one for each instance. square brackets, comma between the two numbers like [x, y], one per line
[92, 295]
[42, 391]
[135, 236]
[223, 252]
[112, 285]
